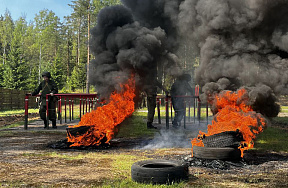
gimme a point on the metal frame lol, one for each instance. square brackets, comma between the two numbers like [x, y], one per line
[84, 100]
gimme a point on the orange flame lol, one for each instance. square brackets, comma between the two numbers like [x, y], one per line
[233, 114]
[103, 120]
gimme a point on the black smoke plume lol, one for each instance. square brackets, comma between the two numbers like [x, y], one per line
[123, 46]
[240, 44]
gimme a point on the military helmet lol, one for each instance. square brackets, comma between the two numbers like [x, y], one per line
[46, 74]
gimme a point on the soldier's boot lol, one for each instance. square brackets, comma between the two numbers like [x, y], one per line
[175, 124]
[54, 124]
[150, 126]
[45, 124]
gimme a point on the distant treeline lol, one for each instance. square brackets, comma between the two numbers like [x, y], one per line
[60, 47]
[48, 44]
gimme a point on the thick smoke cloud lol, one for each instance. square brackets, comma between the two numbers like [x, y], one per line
[122, 46]
[240, 44]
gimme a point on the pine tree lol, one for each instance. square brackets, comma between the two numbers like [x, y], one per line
[15, 69]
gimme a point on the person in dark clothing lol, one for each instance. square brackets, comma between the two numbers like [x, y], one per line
[48, 86]
[151, 93]
[180, 88]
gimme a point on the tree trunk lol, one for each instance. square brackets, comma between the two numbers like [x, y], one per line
[39, 78]
[78, 42]
[88, 54]
[68, 56]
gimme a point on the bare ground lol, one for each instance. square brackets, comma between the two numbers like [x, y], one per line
[27, 161]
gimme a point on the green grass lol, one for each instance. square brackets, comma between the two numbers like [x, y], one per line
[135, 126]
[17, 124]
[280, 120]
[17, 112]
[272, 139]
[284, 109]
[120, 167]
[128, 183]
[143, 111]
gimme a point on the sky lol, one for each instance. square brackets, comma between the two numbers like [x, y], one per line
[30, 8]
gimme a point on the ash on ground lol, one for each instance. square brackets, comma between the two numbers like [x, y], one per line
[251, 159]
[115, 143]
[214, 163]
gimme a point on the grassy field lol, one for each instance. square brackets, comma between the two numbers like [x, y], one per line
[109, 169]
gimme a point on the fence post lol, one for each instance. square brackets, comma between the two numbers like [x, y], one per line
[72, 108]
[199, 110]
[207, 113]
[47, 110]
[60, 109]
[80, 101]
[70, 117]
[65, 104]
[158, 110]
[185, 101]
[167, 111]
[189, 109]
[26, 112]
[171, 108]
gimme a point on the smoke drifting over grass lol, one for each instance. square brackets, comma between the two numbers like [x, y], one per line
[180, 137]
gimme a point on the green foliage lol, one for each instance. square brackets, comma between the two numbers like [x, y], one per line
[32, 80]
[78, 77]
[7, 77]
[15, 74]
[46, 44]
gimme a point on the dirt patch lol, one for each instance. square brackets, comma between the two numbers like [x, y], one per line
[26, 160]
[8, 120]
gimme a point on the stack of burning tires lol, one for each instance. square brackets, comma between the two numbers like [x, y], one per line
[223, 146]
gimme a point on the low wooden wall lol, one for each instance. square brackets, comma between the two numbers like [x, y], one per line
[283, 100]
[11, 99]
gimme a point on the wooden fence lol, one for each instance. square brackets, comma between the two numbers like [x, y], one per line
[14, 99]
[283, 100]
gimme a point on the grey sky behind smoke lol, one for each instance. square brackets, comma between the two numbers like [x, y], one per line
[240, 44]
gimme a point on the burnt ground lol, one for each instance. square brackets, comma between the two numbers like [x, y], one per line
[32, 158]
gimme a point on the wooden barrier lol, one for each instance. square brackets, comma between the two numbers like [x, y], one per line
[283, 100]
[13, 99]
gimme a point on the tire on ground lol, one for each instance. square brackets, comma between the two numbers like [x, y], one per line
[226, 153]
[224, 139]
[159, 171]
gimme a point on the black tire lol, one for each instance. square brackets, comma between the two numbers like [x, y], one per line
[224, 139]
[159, 171]
[77, 131]
[226, 153]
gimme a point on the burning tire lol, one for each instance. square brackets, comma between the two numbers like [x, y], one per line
[159, 171]
[223, 139]
[225, 153]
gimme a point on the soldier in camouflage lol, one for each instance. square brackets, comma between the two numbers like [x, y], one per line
[48, 86]
[151, 93]
[179, 89]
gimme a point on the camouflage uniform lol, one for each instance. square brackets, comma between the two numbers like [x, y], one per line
[180, 88]
[47, 87]
[151, 93]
